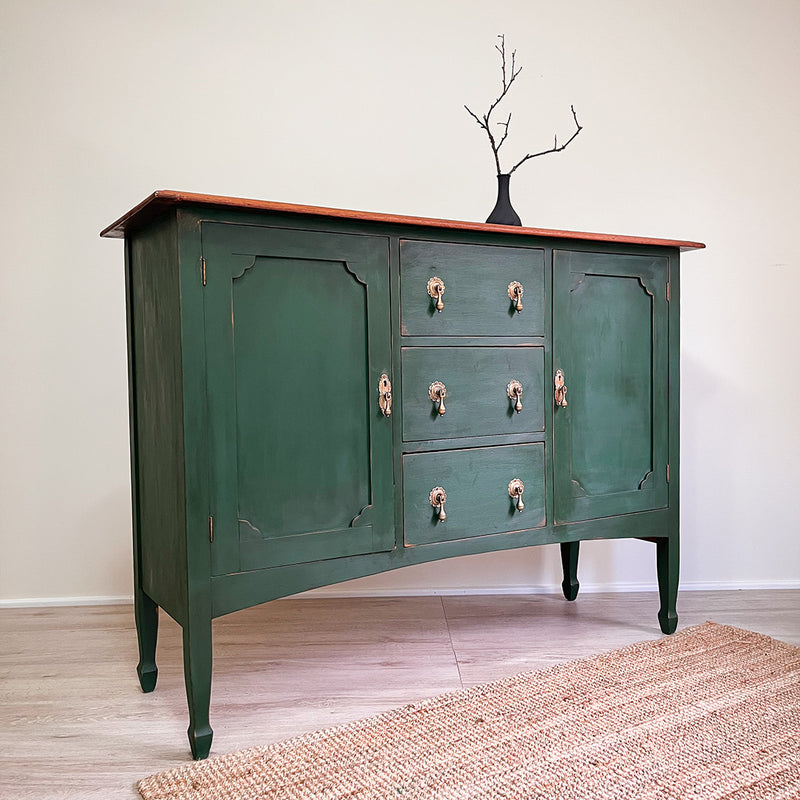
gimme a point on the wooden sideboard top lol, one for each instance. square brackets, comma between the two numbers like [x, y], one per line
[164, 198]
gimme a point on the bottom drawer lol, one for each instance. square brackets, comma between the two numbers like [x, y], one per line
[476, 484]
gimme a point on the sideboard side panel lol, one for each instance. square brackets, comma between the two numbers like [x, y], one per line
[674, 389]
[157, 399]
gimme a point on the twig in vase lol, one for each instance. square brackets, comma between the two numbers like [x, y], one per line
[485, 121]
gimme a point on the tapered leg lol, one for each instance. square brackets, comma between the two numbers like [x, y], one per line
[146, 613]
[197, 673]
[569, 564]
[667, 557]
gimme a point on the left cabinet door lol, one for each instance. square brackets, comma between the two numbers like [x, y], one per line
[297, 327]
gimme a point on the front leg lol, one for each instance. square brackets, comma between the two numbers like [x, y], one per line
[569, 565]
[146, 614]
[197, 672]
[667, 557]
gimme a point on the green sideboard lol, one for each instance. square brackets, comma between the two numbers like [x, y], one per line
[318, 395]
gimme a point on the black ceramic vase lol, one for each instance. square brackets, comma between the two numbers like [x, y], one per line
[503, 213]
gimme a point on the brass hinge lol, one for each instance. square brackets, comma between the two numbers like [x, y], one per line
[667, 473]
[203, 268]
[211, 529]
[668, 289]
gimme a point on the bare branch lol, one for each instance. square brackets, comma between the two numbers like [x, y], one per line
[501, 48]
[514, 71]
[555, 148]
[474, 116]
[505, 132]
[485, 123]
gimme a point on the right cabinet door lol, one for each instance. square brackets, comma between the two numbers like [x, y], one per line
[610, 342]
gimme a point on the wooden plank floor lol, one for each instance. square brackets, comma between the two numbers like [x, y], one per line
[74, 724]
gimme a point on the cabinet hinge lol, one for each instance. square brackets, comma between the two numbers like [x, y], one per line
[211, 529]
[203, 269]
[668, 289]
[667, 473]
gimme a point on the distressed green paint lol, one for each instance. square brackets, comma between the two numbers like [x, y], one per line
[282, 373]
[477, 401]
[610, 340]
[569, 566]
[145, 609]
[197, 670]
[296, 333]
[611, 377]
[242, 590]
[667, 563]
[226, 422]
[476, 482]
[157, 412]
[197, 646]
[257, 551]
[668, 547]
[471, 441]
[476, 279]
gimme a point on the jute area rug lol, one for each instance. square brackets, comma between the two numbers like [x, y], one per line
[710, 712]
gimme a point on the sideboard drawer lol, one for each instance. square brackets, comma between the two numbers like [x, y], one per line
[476, 280]
[476, 383]
[476, 484]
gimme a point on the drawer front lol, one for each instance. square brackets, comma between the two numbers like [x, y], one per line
[476, 483]
[476, 402]
[476, 299]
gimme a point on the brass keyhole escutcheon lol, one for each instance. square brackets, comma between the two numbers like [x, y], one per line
[436, 290]
[437, 392]
[560, 394]
[514, 391]
[515, 291]
[385, 395]
[437, 498]
[515, 489]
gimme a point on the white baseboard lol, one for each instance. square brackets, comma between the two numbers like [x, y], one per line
[44, 602]
[555, 588]
[727, 586]
[349, 591]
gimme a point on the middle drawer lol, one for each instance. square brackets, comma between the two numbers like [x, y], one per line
[482, 389]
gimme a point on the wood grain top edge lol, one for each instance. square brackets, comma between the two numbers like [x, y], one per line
[165, 198]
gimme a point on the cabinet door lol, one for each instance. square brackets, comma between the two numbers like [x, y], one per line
[298, 334]
[610, 341]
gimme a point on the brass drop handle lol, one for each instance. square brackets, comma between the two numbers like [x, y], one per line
[438, 497]
[437, 392]
[560, 390]
[515, 490]
[514, 391]
[515, 291]
[436, 290]
[385, 395]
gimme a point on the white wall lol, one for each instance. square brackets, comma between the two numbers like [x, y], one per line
[691, 114]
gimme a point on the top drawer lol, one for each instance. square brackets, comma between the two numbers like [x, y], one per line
[476, 300]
